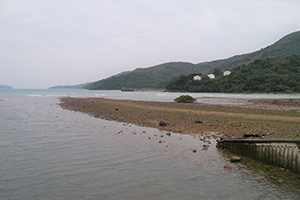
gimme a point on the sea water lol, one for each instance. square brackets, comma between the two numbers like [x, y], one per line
[47, 152]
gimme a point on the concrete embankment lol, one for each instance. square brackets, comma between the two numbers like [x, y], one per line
[282, 153]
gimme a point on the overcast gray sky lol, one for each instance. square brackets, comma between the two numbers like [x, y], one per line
[67, 42]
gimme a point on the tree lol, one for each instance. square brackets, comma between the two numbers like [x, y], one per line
[218, 72]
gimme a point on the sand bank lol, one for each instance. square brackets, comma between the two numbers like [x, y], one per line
[203, 119]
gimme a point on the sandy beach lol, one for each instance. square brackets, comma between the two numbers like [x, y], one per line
[208, 117]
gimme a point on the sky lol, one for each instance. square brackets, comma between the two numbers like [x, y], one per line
[45, 43]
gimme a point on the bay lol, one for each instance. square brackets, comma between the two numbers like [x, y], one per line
[51, 153]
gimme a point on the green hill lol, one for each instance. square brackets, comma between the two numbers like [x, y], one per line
[158, 76]
[152, 77]
[278, 75]
[288, 45]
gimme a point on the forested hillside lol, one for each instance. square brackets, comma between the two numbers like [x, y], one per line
[288, 45]
[158, 76]
[153, 77]
[278, 75]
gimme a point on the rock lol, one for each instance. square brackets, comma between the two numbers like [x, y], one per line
[162, 123]
[235, 159]
[168, 134]
[205, 140]
[226, 168]
[199, 121]
[205, 147]
[280, 181]
[220, 144]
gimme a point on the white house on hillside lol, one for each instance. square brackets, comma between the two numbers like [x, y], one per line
[197, 78]
[226, 73]
[211, 76]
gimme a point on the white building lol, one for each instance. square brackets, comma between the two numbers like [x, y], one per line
[197, 78]
[211, 76]
[226, 73]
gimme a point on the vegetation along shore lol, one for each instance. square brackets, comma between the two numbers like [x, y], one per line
[211, 117]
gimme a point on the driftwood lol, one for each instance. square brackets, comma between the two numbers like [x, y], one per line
[257, 134]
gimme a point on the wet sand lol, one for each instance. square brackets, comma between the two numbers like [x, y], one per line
[209, 117]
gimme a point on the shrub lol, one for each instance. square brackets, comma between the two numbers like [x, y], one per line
[289, 91]
[185, 99]
[275, 101]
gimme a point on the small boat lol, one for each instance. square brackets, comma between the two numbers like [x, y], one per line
[124, 89]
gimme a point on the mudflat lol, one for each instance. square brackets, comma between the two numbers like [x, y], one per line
[214, 117]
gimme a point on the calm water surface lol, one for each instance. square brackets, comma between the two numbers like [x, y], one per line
[51, 153]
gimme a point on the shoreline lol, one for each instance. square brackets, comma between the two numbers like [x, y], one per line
[202, 119]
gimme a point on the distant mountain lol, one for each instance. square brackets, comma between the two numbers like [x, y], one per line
[80, 86]
[153, 77]
[6, 87]
[158, 76]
